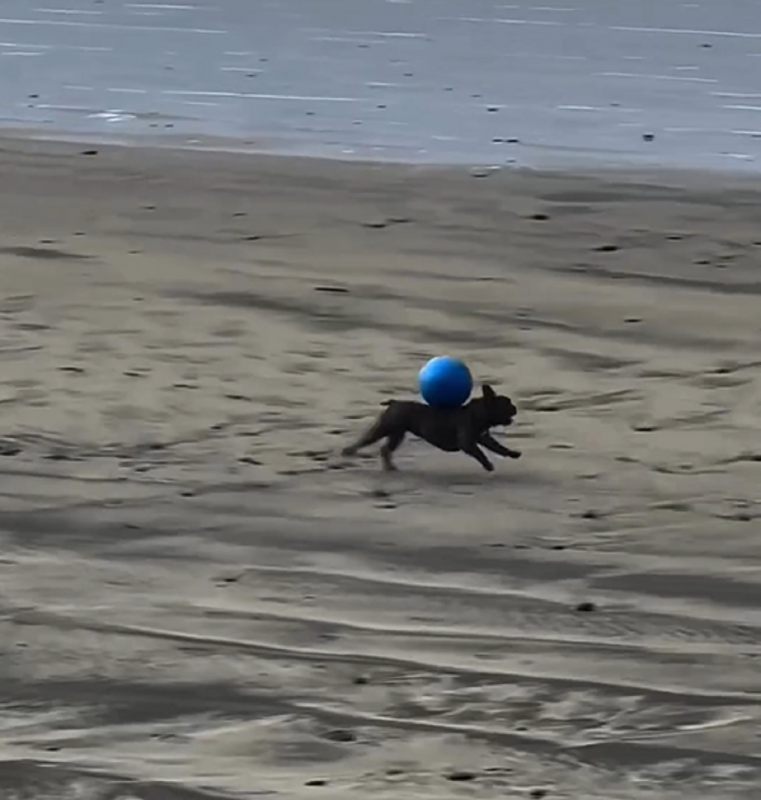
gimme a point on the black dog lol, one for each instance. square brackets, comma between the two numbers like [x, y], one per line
[454, 430]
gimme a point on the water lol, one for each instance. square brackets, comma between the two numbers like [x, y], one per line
[537, 83]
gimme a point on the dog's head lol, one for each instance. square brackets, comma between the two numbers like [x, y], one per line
[498, 408]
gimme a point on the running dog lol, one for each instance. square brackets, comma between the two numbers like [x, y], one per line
[464, 429]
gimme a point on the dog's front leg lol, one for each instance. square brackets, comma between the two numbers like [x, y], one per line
[474, 451]
[490, 443]
[468, 442]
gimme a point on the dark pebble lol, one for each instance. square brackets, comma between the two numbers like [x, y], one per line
[89, 153]
[644, 427]
[32, 326]
[341, 735]
[316, 782]
[58, 457]
[586, 607]
[461, 776]
[648, 137]
[332, 289]
[606, 248]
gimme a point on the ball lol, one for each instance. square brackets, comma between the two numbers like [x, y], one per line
[445, 382]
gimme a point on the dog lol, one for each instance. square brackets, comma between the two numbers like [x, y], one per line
[464, 429]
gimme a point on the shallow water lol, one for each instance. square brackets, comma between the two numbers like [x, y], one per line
[537, 83]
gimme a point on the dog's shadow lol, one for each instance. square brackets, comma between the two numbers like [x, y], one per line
[455, 477]
[415, 471]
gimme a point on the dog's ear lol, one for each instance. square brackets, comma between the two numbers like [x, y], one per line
[488, 392]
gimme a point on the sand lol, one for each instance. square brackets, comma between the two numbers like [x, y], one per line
[202, 599]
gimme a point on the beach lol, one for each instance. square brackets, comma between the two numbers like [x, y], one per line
[203, 599]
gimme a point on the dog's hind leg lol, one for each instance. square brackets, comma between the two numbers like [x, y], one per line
[377, 431]
[392, 443]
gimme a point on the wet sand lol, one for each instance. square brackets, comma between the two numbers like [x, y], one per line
[202, 600]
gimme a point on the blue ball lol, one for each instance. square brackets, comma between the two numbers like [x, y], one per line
[445, 382]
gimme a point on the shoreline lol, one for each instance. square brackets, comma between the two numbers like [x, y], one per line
[668, 176]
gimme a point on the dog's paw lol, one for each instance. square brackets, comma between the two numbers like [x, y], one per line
[516, 454]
